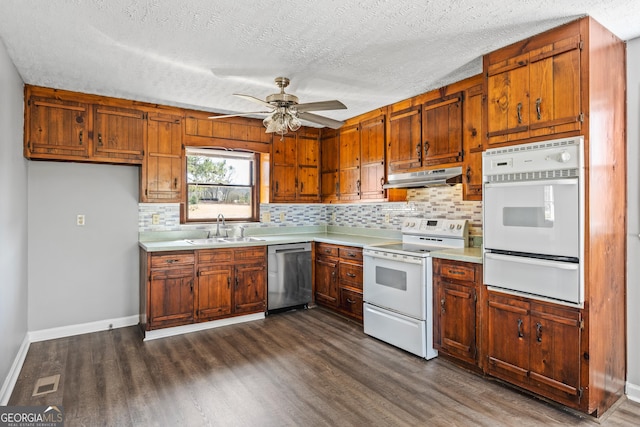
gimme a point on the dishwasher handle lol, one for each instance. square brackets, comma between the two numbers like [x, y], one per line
[279, 251]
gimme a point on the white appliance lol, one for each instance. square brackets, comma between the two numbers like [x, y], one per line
[398, 283]
[533, 209]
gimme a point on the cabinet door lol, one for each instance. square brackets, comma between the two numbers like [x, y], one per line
[508, 102]
[56, 129]
[349, 176]
[250, 290]
[457, 307]
[555, 351]
[283, 152]
[508, 338]
[213, 292]
[372, 142]
[473, 137]
[170, 297]
[329, 164]
[308, 180]
[162, 177]
[555, 87]
[404, 148]
[119, 134]
[326, 281]
[442, 131]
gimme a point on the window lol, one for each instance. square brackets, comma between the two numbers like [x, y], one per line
[221, 182]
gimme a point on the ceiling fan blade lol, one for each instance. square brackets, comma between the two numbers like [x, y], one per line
[326, 121]
[254, 99]
[322, 105]
[239, 114]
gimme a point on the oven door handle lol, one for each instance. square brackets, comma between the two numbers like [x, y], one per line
[532, 261]
[565, 181]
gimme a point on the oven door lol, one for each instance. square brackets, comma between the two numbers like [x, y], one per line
[539, 217]
[397, 283]
[556, 280]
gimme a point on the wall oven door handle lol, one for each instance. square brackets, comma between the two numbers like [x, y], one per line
[533, 261]
[562, 181]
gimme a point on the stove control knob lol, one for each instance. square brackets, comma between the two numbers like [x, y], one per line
[451, 226]
[459, 227]
[564, 157]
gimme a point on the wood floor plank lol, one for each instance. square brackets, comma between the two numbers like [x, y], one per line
[307, 367]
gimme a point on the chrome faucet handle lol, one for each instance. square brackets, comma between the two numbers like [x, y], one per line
[241, 227]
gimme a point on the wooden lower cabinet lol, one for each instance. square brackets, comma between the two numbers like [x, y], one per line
[456, 286]
[184, 287]
[535, 345]
[338, 279]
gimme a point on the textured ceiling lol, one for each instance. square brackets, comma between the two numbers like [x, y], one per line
[197, 53]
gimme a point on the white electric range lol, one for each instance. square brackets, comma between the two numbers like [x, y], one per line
[398, 283]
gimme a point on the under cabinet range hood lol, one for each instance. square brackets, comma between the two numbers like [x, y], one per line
[427, 178]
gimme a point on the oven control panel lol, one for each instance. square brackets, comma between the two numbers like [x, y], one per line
[436, 227]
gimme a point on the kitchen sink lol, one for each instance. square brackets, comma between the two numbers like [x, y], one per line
[208, 241]
[241, 239]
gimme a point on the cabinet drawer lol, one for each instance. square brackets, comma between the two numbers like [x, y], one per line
[457, 271]
[215, 255]
[351, 253]
[352, 274]
[326, 249]
[250, 253]
[169, 260]
[351, 302]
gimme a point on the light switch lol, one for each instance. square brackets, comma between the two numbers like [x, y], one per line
[282, 216]
[155, 219]
[80, 220]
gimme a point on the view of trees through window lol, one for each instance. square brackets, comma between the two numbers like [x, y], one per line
[219, 182]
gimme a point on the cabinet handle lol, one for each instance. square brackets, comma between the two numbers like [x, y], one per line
[175, 183]
[419, 151]
[520, 334]
[327, 251]
[99, 139]
[301, 187]
[468, 174]
[191, 285]
[442, 301]
[236, 283]
[519, 111]
[358, 185]
[426, 148]
[228, 282]
[337, 188]
[351, 275]
[539, 332]
[382, 183]
[171, 261]
[538, 112]
[333, 275]
[351, 254]
[456, 272]
[80, 136]
[350, 301]
[474, 132]
[277, 186]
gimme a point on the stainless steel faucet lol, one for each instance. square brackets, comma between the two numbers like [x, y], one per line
[226, 232]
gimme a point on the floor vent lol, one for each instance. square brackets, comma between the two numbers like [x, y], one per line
[46, 385]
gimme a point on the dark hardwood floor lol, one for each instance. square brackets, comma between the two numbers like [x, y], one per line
[297, 368]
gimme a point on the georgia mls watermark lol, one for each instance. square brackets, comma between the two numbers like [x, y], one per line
[31, 416]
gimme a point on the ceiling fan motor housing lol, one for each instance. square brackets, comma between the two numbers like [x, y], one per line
[282, 99]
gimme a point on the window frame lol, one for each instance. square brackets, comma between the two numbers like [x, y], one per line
[223, 152]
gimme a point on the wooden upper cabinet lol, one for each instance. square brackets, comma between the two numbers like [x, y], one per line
[372, 138]
[349, 158]
[163, 173]
[295, 167]
[442, 130]
[119, 134]
[534, 93]
[56, 129]
[473, 137]
[404, 148]
[329, 165]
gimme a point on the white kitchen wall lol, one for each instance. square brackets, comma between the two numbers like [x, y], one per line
[13, 224]
[633, 219]
[80, 275]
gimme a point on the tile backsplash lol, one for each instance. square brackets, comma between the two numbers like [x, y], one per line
[437, 202]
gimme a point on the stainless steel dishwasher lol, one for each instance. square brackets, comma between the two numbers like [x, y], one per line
[289, 279]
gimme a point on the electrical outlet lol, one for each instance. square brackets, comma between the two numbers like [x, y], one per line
[282, 216]
[80, 220]
[266, 217]
[155, 219]
[387, 218]
[333, 216]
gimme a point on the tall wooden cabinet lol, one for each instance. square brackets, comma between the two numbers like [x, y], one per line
[372, 148]
[295, 167]
[473, 137]
[568, 81]
[349, 162]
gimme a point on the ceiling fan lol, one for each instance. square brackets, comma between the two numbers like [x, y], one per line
[285, 112]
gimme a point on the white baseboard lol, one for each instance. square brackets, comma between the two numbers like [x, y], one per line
[14, 372]
[633, 392]
[83, 328]
[195, 327]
